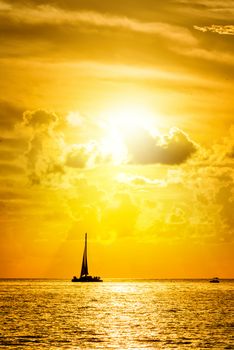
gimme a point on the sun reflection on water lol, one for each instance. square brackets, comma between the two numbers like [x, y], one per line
[116, 315]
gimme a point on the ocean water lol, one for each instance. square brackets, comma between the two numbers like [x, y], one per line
[115, 314]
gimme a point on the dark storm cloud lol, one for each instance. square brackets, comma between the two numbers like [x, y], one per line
[173, 149]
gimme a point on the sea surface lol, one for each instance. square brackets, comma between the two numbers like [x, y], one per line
[116, 314]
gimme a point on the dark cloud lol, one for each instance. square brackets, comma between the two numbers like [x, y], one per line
[172, 149]
[40, 118]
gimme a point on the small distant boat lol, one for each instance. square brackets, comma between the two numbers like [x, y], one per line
[84, 274]
[215, 280]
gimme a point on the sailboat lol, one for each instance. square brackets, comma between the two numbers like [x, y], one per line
[215, 280]
[84, 274]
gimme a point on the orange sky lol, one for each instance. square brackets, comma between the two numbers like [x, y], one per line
[116, 119]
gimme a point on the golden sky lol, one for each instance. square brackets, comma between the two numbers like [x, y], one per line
[117, 119]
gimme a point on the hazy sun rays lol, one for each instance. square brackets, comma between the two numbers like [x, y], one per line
[129, 117]
[113, 144]
[116, 128]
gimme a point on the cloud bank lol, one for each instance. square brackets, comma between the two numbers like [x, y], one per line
[48, 154]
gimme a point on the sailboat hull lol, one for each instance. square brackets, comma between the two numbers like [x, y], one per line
[86, 279]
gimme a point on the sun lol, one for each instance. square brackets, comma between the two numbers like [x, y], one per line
[122, 123]
[128, 117]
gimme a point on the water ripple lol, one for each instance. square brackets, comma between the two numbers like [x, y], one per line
[44, 314]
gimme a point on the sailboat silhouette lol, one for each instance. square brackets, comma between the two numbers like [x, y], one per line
[84, 274]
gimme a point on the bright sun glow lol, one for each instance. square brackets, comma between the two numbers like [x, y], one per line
[129, 117]
[74, 119]
[119, 125]
[122, 123]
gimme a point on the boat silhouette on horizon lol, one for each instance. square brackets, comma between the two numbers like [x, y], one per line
[84, 274]
[215, 280]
